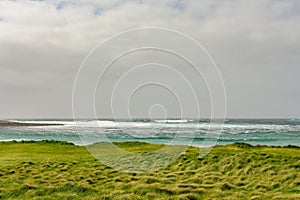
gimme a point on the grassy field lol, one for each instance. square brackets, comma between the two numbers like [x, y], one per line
[58, 170]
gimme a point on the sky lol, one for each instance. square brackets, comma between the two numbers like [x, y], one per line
[255, 45]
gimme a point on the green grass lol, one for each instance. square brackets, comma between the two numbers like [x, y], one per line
[59, 170]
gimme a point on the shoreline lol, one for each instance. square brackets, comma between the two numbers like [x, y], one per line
[236, 144]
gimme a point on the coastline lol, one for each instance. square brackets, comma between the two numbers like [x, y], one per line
[237, 144]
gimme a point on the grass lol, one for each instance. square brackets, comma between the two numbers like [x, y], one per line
[59, 170]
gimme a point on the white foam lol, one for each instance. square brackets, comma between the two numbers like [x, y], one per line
[172, 121]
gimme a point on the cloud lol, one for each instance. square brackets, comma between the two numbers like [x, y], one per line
[42, 43]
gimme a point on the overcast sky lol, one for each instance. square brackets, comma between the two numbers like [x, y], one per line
[256, 45]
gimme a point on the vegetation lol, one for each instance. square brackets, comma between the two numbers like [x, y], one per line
[60, 170]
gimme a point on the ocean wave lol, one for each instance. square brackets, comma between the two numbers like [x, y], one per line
[158, 131]
[163, 125]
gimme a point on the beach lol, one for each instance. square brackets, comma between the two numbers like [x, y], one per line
[61, 170]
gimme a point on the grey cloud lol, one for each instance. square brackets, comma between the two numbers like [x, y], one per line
[255, 44]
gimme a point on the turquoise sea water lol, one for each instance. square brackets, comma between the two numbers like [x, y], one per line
[184, 131]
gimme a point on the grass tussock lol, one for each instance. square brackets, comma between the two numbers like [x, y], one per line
[59, 170]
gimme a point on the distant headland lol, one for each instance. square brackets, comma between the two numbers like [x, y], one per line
[11, 123]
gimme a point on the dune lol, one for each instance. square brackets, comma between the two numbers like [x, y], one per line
[60, 170]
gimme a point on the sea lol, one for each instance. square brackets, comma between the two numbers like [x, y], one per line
[194, 132]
